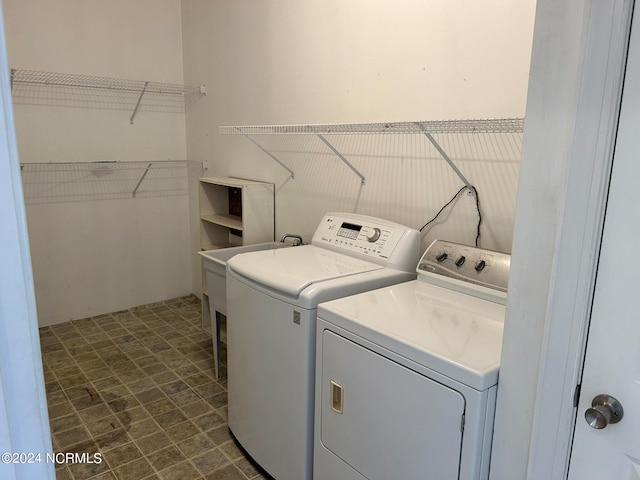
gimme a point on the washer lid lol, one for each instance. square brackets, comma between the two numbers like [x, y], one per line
[454, 334]
[291, 270]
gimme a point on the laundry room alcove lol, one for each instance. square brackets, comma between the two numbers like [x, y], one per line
[384, 167]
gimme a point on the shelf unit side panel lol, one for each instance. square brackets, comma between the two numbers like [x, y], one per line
[213, 204]
[258, 213]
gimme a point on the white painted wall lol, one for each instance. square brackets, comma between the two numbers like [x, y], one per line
[264, 62]
[100, 256]
[332, 61]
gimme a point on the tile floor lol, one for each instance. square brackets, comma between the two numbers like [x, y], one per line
[138, 387]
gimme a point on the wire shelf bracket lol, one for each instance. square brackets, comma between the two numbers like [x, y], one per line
[144, 174]
[273, 157]
[341, 157]
[135, 110]
[447, 159]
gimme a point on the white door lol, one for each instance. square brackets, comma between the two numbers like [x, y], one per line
[612, 363]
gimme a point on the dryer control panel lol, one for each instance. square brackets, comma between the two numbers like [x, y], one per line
[375, 239]
[465, 266]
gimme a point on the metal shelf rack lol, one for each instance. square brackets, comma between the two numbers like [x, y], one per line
[72, 90]
[62, 182]
[427, 129]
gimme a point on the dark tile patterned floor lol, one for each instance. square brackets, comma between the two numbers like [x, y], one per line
[138, 387]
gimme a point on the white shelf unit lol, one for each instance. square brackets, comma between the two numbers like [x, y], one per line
[33, 87]
[233, 212]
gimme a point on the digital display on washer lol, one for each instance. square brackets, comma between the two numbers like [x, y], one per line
[349, 230]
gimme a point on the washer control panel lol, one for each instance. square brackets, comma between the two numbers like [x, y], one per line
[477, 266]
[379, 240]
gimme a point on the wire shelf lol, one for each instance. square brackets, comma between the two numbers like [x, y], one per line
[495, 125]
[428, 129]
[31, 87]
[106, 180]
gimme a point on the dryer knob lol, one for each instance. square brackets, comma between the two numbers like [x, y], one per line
[374, 236]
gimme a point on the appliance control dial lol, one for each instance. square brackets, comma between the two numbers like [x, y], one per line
[468, 265]
[374, 235]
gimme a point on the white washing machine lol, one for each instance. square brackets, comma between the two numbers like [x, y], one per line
[406, 376]
[271, 304]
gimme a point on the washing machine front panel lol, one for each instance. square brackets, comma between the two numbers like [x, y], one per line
[371, 404]
[271, 351]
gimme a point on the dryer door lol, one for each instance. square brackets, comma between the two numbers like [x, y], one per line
[385, 420]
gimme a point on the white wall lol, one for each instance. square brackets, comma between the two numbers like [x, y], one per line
[100, 256]
[332, 61]
[270, 63]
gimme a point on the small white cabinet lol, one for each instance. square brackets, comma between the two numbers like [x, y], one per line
[233, 212]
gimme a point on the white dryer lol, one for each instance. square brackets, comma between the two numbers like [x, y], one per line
[271, 304]
[406, 376]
